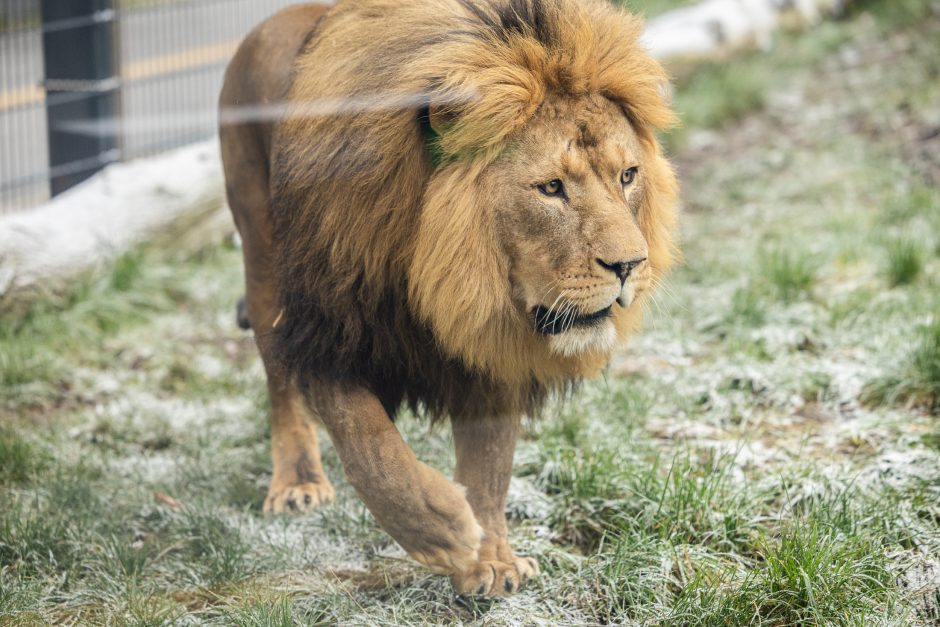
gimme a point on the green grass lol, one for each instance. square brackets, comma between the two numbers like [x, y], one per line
[604, 491]
[823, 566]
[263, 614]
[918, 380]
[808, 575]
[932, 439]
[901, 206]
[20, 459]
[651, 8]
[36, 346]
[216, 548]
[723, 94]
[905, 262]
[897, 13]
[747, 307]
[789, 272]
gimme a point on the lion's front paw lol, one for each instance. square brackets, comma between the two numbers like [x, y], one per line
[431, 519]
[496, 578]
[448, 544]
[296, 499]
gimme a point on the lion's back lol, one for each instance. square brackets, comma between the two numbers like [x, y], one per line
[256, 85]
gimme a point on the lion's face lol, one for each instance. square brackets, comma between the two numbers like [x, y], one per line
[533, 263]
[570, 191]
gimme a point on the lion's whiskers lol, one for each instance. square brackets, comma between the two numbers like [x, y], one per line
[551, 285]
[569, 316]
[551, 309]
[558, 314]
[657, 284]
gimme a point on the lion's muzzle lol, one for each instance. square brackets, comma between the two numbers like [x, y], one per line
[556, 321]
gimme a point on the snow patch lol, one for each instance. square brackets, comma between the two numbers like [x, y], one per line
[107, 215]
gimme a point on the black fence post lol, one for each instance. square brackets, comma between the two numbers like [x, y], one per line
[82, 88]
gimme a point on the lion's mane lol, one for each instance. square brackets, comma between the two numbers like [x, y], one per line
[390, 275]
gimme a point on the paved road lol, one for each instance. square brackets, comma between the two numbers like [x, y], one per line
[172, 58]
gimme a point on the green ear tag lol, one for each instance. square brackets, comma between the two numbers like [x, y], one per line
[432, 141]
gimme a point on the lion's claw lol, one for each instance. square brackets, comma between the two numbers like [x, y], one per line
[495, 578]
[298, 499]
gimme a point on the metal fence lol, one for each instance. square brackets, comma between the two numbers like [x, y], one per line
[87, 82]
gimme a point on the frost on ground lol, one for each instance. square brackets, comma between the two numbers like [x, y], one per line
[767, 451]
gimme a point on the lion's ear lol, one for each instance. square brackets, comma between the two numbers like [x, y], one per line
[440, 117]
[435, 120]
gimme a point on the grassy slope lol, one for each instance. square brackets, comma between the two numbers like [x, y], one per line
[653, 7]
[783, 465]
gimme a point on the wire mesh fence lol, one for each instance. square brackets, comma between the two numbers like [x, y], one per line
[166, 60]
[24, 158]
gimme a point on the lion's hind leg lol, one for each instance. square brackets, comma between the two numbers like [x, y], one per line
[259, 76]
[298, 482]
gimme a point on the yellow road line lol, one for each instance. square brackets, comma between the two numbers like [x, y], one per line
[136, 71]
[21, 96]
[167, 64]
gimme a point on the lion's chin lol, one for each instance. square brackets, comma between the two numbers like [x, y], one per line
[600, 338]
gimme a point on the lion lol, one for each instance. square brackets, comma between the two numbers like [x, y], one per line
[458, 206]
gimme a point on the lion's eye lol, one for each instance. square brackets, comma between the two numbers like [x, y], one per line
[628, 176]
[553, 188]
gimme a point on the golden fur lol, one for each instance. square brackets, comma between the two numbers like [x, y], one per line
[427, 234]
[401, 243]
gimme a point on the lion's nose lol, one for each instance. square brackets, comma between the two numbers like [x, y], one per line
[621, 268]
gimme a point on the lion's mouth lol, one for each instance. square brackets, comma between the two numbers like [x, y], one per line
[553, 322]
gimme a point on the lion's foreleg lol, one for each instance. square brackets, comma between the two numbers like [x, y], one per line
[420, 508]
[485, 448]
